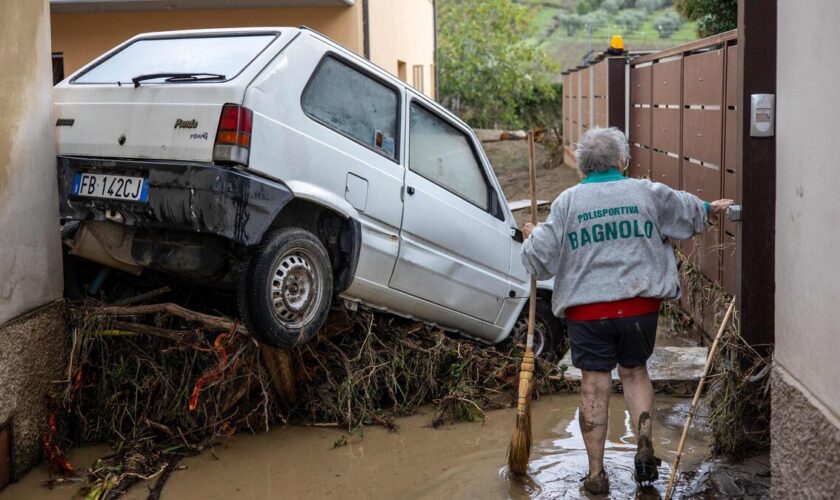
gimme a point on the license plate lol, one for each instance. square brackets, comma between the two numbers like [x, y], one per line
[114, 187]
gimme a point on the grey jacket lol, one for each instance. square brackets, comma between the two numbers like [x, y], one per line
[607, 239]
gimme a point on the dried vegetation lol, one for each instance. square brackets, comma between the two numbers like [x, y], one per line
[738, 389]
[159, 382]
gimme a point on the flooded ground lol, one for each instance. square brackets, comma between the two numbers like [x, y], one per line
[465, 460]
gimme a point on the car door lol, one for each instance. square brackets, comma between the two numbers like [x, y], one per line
[454, 241]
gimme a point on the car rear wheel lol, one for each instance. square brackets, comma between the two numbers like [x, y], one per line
[286, 290]
[550, 341]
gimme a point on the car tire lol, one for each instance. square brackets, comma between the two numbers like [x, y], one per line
[550, 336]
[285, 293]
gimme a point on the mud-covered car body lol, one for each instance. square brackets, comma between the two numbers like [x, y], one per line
[188, 165]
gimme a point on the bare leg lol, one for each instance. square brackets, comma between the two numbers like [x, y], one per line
[638, 392]
[639, 395]
[595, 391]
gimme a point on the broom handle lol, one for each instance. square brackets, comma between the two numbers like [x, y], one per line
[691, 412]
[532, 305]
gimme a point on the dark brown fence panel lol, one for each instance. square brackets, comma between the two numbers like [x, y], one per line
[668, 78]
[666, 169]
[585, 109]
[666, 130]
[682, 133]
[730, 170]
[639, 133]
[595, 97]
[703, 78]
[702, 139]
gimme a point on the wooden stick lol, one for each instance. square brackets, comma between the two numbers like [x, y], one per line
[217, 323]
[532, 305]
[693, 410]
[519, 449]
[143, 296]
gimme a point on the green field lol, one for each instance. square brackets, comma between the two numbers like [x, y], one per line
[568, 51]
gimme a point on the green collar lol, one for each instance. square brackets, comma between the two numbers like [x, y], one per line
[610, 175]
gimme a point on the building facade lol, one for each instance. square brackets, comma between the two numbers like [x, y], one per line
[398, 35]
[805, 424]
[32, 338]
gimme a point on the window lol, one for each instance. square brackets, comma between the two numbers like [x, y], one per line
[417, 77]
[402, 73]
[443, 154]
[58, 67]
[355, 105]
[221, 55]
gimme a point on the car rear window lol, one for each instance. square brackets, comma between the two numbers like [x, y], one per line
[225, 55]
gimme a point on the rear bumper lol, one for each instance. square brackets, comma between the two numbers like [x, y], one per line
[185, 196]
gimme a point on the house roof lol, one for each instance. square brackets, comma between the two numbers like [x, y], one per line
[123, 5]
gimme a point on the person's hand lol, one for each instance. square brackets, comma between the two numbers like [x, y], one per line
[527, 230]
[719, 206]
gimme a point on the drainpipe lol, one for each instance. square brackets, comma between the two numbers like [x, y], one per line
[435, 54]
[366, 28]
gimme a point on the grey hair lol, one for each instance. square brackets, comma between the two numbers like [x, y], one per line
[601, 149]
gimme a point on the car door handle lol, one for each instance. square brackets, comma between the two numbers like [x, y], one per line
[409, 190]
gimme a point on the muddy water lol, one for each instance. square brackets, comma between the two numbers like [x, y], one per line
[456, 461]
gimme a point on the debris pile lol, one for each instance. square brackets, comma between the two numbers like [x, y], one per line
[738, 393]
[160, 381]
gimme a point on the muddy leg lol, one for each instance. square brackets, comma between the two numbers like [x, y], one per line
[594, 410]
[638, 393]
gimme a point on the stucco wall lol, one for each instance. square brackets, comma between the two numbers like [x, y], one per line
[32, 345]
[33, 352]
[805, 428]
[30, 252]
[805, 456]
[403, 31]
[807, 203]
[83, 36]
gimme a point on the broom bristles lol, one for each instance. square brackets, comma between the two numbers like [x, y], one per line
[519, 450]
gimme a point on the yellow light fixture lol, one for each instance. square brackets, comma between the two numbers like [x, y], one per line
[617, 43]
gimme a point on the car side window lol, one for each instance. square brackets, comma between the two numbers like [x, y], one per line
[355, 105]
[443, 154]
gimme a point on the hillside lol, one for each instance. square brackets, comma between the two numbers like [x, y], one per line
[563, 27]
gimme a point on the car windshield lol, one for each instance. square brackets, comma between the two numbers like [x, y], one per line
[222, 55]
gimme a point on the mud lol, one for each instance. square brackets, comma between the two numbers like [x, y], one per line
[456, 461]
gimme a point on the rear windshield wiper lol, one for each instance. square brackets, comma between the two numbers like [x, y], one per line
[177, 77]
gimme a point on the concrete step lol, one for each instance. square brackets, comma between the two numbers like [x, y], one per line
[673, 370]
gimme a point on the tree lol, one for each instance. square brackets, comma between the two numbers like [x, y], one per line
[712, 16]
[612, 6]
[595, 20]
[667, 23]
[649, 5]
[571, 23]
[587, 6]
[487, 64]
[630, 20]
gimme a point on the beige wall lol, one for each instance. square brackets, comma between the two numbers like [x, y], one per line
[84, 36]
[30, 252]
[808, 201]
[403, 31]
[32, 344]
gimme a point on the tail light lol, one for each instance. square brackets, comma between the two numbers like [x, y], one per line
[233, 140]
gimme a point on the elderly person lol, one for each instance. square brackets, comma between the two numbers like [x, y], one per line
[607, 245]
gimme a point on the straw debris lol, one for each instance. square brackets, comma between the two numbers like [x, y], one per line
[160, 382]
[738, 394]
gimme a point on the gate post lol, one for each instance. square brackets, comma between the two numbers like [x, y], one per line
[757, 166]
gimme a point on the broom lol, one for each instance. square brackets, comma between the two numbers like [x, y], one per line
[520, 443]
[693, 410]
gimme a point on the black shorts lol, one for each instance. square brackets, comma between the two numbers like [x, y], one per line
[599, 344]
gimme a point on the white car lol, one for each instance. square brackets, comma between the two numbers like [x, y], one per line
[276, 162]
